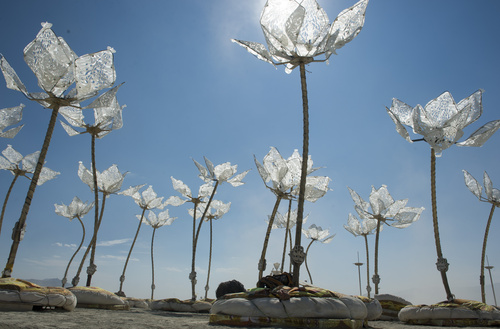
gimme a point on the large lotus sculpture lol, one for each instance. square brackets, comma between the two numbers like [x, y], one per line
[441, 122]
[296, 32]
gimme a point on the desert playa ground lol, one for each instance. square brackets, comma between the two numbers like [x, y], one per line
[135, 318]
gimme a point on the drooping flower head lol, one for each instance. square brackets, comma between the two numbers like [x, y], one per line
[297, 31]
[442, 120]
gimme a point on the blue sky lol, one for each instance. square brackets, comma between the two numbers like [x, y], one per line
[191, 93]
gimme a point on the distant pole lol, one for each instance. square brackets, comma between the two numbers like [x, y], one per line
[358, 264]
[491, 280]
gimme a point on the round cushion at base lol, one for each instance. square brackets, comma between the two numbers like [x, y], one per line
[459, 312]
[391, 305]
[95, 297]
[177, 305]
[295, 307]
[20, 295]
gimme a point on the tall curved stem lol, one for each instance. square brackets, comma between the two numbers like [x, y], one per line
[483, 253]
[152, 265]
[305, 155]
[96, 206]
[20, 225]
[209, 261]
[368, 288]
[442, 263]
[122, 278]
[192, 275]
[93, 242]
[262, 261]
[376, 278]
[7, 200]
[286, 235]
[307, 267]
[76, 252]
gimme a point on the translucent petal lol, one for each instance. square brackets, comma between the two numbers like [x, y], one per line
[106, 99]
[70, 131]
[380, 200]
[73, 115]
[439, 110]
[223, 171]
[480, 136]
[132, 190]
[402, 111]
[406, 217]
[11, 133]
[316, 187]
[210, 167]
[110, 180]
[11, 77]
[394, 208]
[29, 162]
[473, 106]
[10, 116]
[488, 186]
[180, 187]
[12, 155]
[358, 200]
[274, 20]
[399, 127]
[48, 59]
[175, 201]
[203, 171]
[353, 225]
[314, 27]
[256, 49]
[86, 176]
[348, 24]
[275, 165]
[236, 180]
[205, 190]
[46, 174]
[94, 72]
[473, 185]
[262, 171]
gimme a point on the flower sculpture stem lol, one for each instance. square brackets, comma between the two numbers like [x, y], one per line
[122, 278]
[376, 278]
[7, 200]
[192, 276]
[483, 253]
[368, 288]
[76, 252]
[262, 261]
[20, 225]
[442, 263]
[286, 235]
[76, 278]
[305, 155]
[307, 267]
[96, 203]
[152, 264]
[209, 261]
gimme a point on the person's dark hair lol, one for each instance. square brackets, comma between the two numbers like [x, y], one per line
[229, 287]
